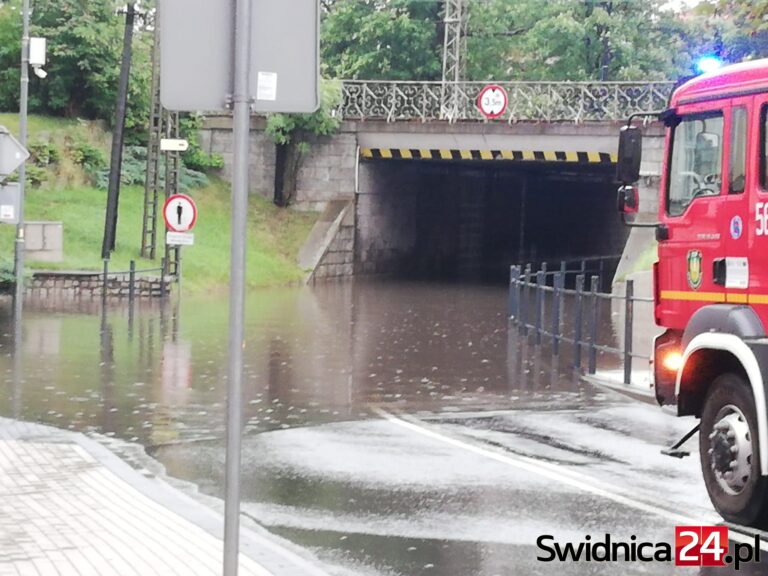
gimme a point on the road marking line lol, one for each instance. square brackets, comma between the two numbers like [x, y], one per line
[558, 473]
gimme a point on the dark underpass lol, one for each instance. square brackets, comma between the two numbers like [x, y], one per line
[471, 220]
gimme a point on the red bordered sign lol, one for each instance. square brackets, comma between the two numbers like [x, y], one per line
[492, 101]
[180, 213]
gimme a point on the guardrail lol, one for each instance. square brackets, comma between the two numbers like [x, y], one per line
[527, 101]
[529, 293]
[124, 283]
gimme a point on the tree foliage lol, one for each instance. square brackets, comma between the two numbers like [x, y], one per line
[734, 29]
[381, 39]
[574, 40]
[84, 53]
[292, 133]
[540, 40]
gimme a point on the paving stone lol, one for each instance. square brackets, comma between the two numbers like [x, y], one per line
[65, 513]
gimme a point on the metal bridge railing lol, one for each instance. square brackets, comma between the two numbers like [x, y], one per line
[528, 101]
[529, 293]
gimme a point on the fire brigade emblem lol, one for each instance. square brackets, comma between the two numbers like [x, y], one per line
[694, 269]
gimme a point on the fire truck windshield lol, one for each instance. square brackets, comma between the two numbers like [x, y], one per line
[696, 168]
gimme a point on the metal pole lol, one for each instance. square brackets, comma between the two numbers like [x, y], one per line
[242, 113]
[578, 322]
[593, 318]
[162, 277]
[541, 280]
[628, 313]
[132, 283]
[556, 293]
[23, 100]
[514, 294]
[601, 273]
[116, 161]
[527, 299]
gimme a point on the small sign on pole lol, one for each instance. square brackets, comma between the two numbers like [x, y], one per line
[173, 145]
[180, 213]
[10, 203]
[492, 101]
[179, 238]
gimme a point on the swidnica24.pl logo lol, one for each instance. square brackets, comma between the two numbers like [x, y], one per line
[692, 546]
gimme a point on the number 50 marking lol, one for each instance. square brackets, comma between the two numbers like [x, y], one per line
[761, 217]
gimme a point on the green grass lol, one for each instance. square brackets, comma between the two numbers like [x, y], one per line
[274, 237]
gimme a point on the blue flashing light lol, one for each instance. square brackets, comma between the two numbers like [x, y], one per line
[708, 64]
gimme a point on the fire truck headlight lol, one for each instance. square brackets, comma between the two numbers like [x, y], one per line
[708, 64]
[672, 360]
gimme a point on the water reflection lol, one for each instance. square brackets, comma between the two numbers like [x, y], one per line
[157, 375]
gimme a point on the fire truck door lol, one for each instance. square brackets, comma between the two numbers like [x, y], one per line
[732, 269]
[691, 213]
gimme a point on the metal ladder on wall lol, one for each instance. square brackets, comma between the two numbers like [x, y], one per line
[152, 182]
[162, 123]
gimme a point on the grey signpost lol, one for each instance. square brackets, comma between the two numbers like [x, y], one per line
[276, 68]
[12, 156]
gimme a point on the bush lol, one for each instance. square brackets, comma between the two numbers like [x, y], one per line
[43, 153]
[91, 158]
[35, 175]
[194, 157]
[134, 171]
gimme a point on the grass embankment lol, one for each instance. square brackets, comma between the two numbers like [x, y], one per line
[274, 237]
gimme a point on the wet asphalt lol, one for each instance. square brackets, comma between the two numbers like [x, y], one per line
[391, 429]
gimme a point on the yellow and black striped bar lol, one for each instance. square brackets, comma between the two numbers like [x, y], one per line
[518, 155]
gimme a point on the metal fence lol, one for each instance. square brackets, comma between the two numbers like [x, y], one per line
[527, 101]
[531, 292]
[131, 277]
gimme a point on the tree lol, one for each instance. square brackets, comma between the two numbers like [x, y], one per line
[574, 40]
[292, 133]
[381, 39]
[84, 48]
[735, 29]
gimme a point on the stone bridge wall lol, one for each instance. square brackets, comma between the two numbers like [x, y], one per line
[329, 171]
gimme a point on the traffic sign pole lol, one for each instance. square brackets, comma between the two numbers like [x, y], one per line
[242, 120]
[19, 245]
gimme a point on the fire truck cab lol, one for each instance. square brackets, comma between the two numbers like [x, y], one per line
[711, 278]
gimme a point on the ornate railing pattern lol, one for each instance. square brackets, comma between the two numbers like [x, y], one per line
[529, 101]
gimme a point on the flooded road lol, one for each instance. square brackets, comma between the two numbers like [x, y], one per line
[392, 429]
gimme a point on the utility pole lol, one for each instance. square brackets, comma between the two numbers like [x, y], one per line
[113, 194]
[23, 103]
[455, 20]
[241, 102]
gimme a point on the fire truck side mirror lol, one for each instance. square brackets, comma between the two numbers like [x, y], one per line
[629, 200]
[630, 154]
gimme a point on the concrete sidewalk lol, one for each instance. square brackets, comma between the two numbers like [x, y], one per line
[69, 506]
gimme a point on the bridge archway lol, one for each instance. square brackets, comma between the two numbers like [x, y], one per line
[453, 214]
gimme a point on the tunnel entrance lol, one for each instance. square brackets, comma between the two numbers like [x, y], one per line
[471, 220]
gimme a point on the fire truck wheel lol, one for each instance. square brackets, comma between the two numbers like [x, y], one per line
[730, 459]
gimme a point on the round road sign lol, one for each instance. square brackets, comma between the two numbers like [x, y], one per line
[180, 213]
[492, 101]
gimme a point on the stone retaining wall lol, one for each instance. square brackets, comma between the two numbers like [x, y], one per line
[338, 261]
[73, 286]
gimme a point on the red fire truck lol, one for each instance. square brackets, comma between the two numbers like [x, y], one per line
[711, 279]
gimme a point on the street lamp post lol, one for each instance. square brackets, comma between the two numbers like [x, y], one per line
[19, 245]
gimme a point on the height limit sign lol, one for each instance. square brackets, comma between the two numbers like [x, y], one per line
[180, 214]
[492, 101]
